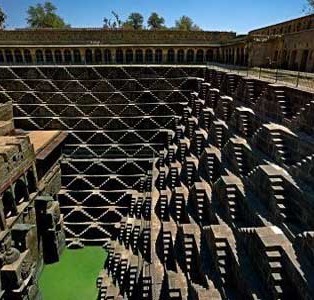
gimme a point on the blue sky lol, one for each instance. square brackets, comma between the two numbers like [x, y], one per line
[240, 16]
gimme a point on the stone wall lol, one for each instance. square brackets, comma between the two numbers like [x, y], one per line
[102, 36]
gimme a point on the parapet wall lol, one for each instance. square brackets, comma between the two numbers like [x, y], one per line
[103, 36]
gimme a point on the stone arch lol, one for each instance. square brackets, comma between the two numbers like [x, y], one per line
[8, 56]
[237, 58]
[107, 56]
[171, 56]
[28, 56]
[180, 56]
[98, 56]
[77, 56]
[20, 191]
[190, 56]
[31, 181]
[210, 55]
[88, 56]
[58, 56]
[48, 56]
[242, 57]
[67, 56]
[1, 57]
[158, 56]
[149, 56]
[9, 205]
[129, 56]
[18, 56]
[39, 56]
[119, 56]
[139, 56]
[200, 56]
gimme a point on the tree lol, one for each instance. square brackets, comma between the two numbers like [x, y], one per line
[134, 21]
[2, 18]
[44, 16]
[117, 23]
[186, 23]
[155, 21]
[310, 6]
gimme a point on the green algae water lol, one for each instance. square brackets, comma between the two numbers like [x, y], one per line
[74, 276]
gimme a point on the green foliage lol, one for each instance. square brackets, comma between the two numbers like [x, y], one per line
[186, 23]
[134, 21]
[44, 16]
[115, 24]
[310, 6]
[155, 21]
[2, 18]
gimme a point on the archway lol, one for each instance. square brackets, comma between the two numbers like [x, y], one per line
[170, 56]
[9, 206]
[8, 56]
[149, 56]
[27, 56]
[1, 57]
[190, 56]
[158, 56]
[119, 56]
[200, 56]
[20, 191]
[49, 57]
[18, 56]
[129, 56]
[58, 56]
[77, 56]
[39, 56]
[107, 56]
[67, 56]
[31, 181]
[98, 56]
[180, 56]
[88, 56]
[139, 56]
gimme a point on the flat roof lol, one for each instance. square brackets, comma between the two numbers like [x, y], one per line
[282, 23]
[45, 141]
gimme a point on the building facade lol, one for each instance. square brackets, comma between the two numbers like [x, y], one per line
[287, 45]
